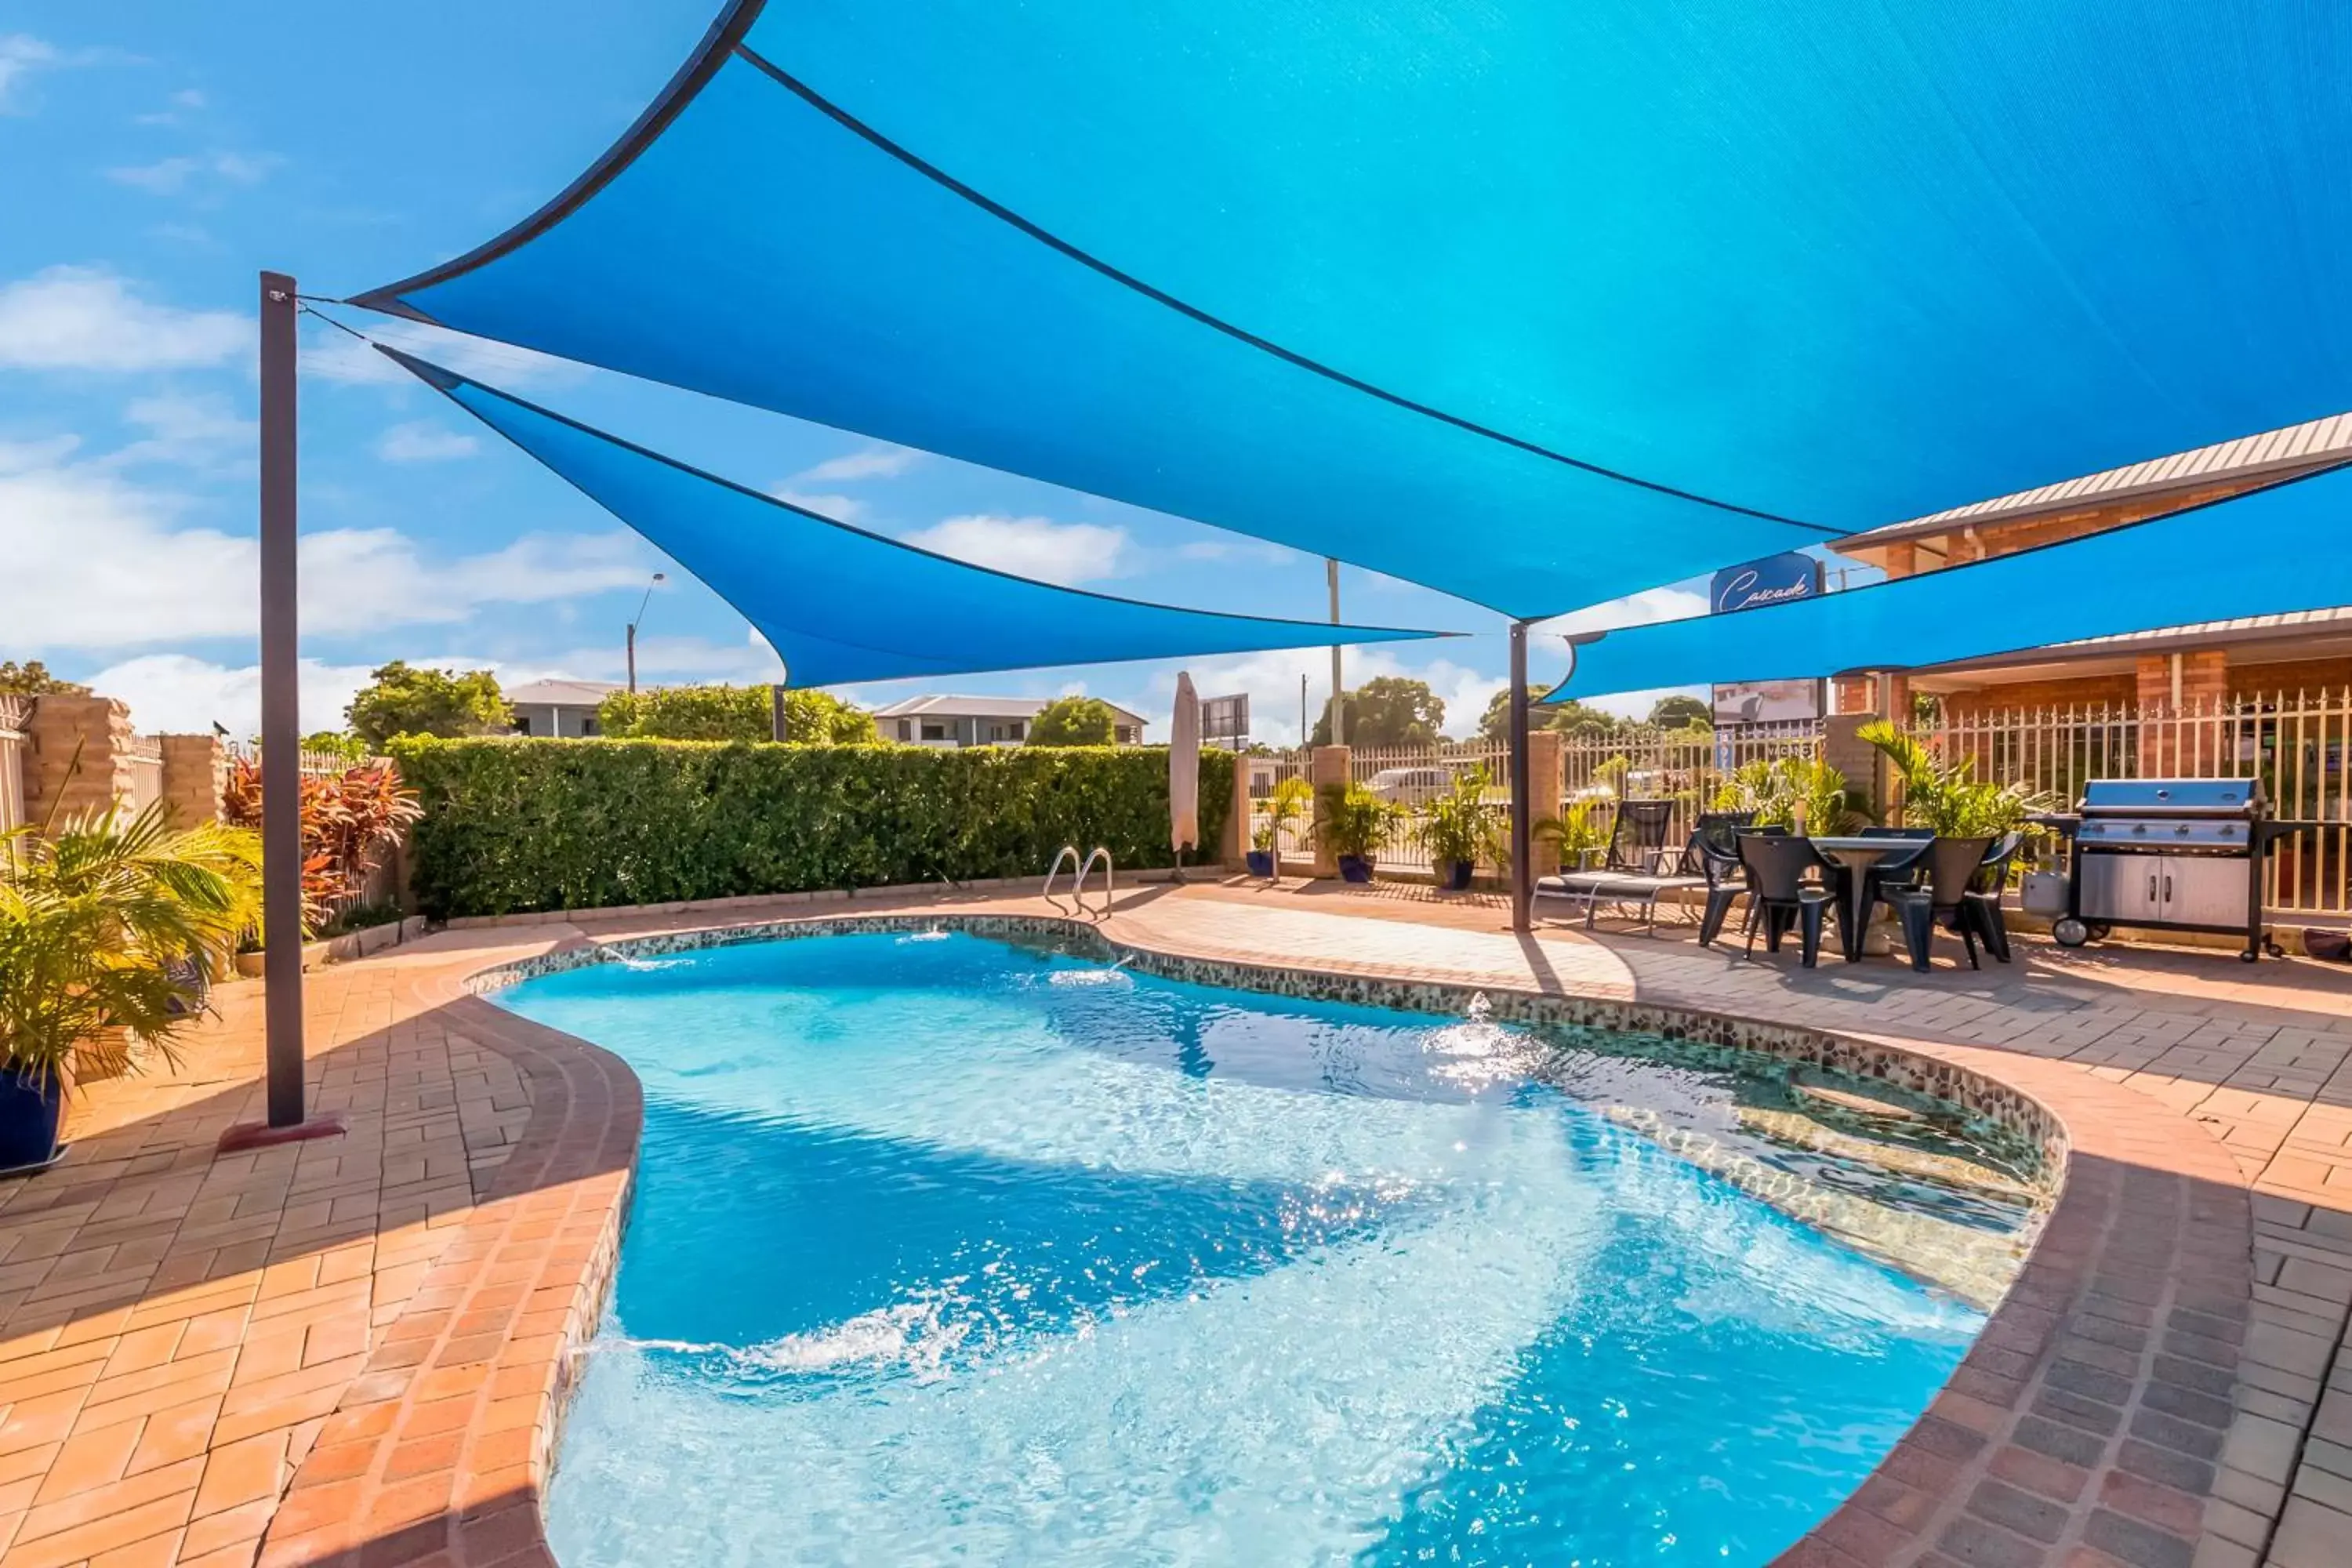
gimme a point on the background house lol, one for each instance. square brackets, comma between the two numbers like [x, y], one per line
[565, 708]
[982, 720]
[2166, 667]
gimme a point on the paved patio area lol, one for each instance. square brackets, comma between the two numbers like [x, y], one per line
[353, 1350]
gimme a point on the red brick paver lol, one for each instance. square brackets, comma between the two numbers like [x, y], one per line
[355, 1351]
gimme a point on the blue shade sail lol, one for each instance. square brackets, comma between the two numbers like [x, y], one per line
[1446, 291]
[2271, 552]
[840, 604]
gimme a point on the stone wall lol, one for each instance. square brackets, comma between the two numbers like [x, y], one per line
[69, 782]
[195, 773]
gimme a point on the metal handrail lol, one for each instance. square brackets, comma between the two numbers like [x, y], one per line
[1069, 852]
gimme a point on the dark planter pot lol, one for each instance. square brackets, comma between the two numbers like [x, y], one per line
[30, 1107]
[1455, 876]
[1261, 863]
[1356, 868]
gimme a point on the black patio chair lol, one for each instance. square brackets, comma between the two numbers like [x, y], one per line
[1985, 890]
[1893, 869]
[1940, 897]
[1637, 839]
[1777, 865]
[1714, 850]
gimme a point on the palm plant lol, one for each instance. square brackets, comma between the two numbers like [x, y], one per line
[1948, 796]
[109, 932]
[1356, 822]
[1796, 793]
[1460, 827]
[1575, 830]
[1285, 807]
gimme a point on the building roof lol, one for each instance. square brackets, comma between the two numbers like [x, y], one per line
[2307, 633]
[561, 693]
[950, 706]
[2272, 455]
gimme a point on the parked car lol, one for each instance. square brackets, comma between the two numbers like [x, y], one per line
[1411, 787]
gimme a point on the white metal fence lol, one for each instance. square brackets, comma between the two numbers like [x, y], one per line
[2299, 744]
[146, 759]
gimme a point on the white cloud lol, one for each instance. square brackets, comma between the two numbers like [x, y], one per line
[1669, 603]
[421, 441]
[96, 561]
[174, 694]
[882, 462]
[1237, 549]
[184, 101]
[204, 432]
[840, 509]
[174, 175]
[1064, 553]
[20, 55]
[330, 355]
[78, 318]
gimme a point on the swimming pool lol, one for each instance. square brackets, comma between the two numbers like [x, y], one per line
[953, 1249]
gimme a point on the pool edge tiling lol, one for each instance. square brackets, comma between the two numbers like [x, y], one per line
[2084, 1425]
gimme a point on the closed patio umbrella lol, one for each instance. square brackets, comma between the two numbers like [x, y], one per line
[1184, 769]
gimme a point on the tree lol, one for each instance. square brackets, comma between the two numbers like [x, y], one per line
[1074, 721]
[1386, 710]
[407, 700]
[1681, 714]
[733, 713]
[32, 679]
[1568, 715]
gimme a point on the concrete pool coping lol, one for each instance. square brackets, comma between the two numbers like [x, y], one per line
[2084, 1426]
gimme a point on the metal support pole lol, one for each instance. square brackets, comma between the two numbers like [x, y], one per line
[633, 658]
[1523, 874]
[1339, 709]
[281, 740]
[281, 696]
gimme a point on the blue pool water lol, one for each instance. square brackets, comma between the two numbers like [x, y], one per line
[951, 1250]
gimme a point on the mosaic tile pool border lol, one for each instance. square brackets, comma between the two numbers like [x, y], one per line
[2029, 1129]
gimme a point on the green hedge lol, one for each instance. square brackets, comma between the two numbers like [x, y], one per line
[513, 825]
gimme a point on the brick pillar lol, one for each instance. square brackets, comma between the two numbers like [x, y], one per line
[1547, 774]
[1233, 842]
[196, 773]
[2172, 740]
[1859, 760]
[99, 781]
[1327, 770]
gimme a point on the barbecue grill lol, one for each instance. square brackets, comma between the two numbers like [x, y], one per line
[2170, 854]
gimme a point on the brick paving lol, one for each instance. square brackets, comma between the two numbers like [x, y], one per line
[354, 1351]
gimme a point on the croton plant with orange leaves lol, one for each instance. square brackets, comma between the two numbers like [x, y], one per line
[349, 822]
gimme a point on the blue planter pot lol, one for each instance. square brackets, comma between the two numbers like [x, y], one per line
[1454, 875]
[1356, 868]
[31, 1105]
[1261, 863]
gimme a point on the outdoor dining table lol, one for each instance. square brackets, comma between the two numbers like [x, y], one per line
[1854, 857]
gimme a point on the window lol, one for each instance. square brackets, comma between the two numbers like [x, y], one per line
[588, 725]
[906, 729]
[935, 731]
[521, 725]
[1019, 730]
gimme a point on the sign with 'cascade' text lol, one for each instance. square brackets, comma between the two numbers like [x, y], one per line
[1774, 579]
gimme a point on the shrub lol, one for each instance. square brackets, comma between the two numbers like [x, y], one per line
[1463, 824]
[733, 713]
[1074, 721]
[1949, 797]
[406, 700]
[1356, 822]
[349, 822]
[522, 825]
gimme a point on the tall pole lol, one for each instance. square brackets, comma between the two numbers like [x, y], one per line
[1523, 878]
[281, 739]
[633, 658]
[1339, 709]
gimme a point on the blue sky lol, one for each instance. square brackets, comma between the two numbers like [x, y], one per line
[154, 157]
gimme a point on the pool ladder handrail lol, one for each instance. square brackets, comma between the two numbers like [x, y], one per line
[1069, 852]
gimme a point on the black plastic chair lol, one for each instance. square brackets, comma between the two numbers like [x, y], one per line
[1714, 852]
[1948, 870]
[1891, 870]
[1777, 865]
[1985, 890]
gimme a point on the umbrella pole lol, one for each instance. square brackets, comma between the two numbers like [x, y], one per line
[1523, 884]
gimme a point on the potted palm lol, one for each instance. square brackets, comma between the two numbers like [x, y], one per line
[1355, 824]
[1283, 809]
[110, 934]
[1459, 829]
[1949, 797]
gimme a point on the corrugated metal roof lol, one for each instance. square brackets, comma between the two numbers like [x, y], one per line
[562, 693]
[2246, 629]
[949, 707]
[2273, 454]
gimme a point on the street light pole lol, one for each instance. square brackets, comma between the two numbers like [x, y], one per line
[658, 577]
[281, 739]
